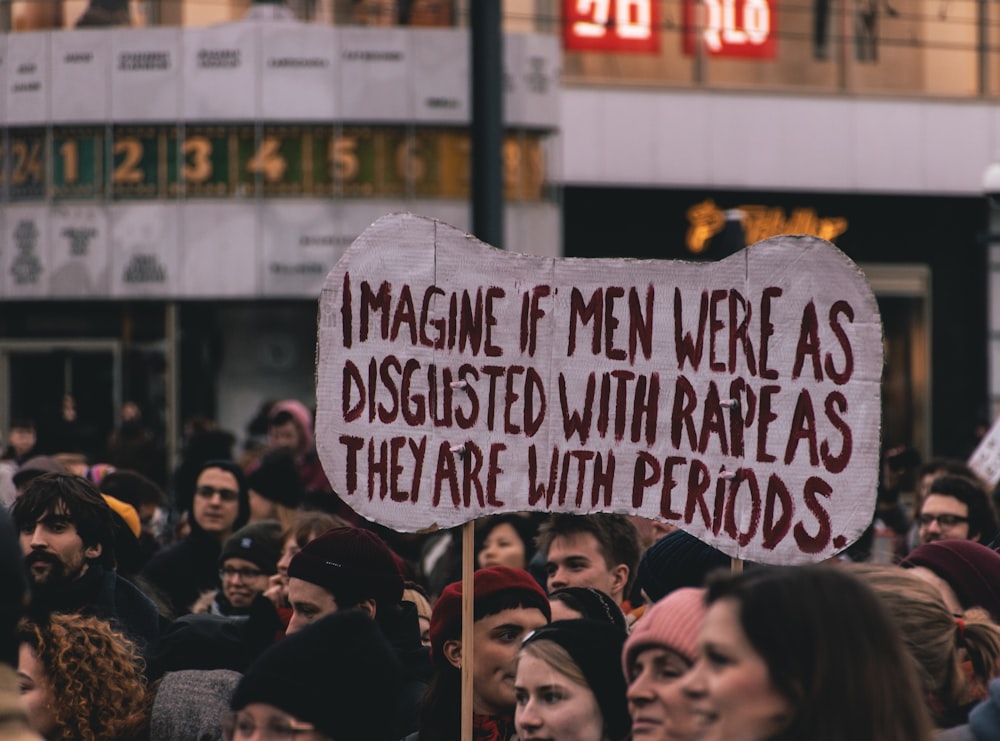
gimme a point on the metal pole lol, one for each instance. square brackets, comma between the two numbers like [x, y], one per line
[487, 121]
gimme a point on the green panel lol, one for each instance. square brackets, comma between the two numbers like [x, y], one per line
[274, 165]
[77, 162]
[136, 162]
[203, 161]
[345, 161]
[25, 164]
[411, 163]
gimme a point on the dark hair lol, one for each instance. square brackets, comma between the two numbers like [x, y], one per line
[307, 525]
[132, 488]
[592, 604]
[617, 537]
[440, 709]
[233, 468]
[83, 503]
[831, 651]
[22, 423]
[982, 516]
[282, 418]
[952, 466]
[525, 527]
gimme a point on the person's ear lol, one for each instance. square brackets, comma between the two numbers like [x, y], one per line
[619, 577]
[452, 651]
[368, 606]
[93, 552]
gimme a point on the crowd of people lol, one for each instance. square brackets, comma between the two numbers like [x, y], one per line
[242, 599]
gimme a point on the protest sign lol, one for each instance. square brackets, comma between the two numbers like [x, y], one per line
[739, 400]
[985, 459]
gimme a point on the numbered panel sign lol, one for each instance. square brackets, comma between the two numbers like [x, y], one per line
[732, 28]
[77, 157]
[24, 163]
[611, 26]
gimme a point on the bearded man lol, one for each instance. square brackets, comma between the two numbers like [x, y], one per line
[67, 537]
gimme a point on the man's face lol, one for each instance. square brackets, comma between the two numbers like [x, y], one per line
[309, 603]
[22, 440]
[943, 517]
[216, 501]
[497, 640]
[242, 580]
[54, 553]
[576, 561]
[284, 436]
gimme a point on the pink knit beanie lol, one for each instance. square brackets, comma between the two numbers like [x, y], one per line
[672, 623]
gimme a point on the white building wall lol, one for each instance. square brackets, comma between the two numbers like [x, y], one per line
[709, 139]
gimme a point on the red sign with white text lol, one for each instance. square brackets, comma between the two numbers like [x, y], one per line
[611, 25]
[732, 28]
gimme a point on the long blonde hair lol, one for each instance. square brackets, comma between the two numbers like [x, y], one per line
[938, 641]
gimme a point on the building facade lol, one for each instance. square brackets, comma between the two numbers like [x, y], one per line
[175, 192]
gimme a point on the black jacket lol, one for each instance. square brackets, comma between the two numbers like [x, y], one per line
[111, 597]
[184, 570]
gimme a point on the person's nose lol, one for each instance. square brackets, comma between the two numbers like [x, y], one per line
[693, 683]
[557, 580]
[37, 539]
[528, 717]
[640, 691]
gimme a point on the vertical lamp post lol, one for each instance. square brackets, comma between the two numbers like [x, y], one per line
[991, 189]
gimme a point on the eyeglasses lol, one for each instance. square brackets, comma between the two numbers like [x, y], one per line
[228, 495]
[945, 521]
[243, 725]
[229, 572]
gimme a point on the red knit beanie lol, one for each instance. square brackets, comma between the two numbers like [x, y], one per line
[487, 582]
[970, 568]
[672, 623]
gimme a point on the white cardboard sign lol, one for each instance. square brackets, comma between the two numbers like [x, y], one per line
[985, 459]
[739, 400]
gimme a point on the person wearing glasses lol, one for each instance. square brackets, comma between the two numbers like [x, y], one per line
[249, 558]
[188, 568]
[956, 508]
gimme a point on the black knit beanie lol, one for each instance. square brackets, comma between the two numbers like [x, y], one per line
[259, 543]
[352, 564]
[339, 674]
[596, 647]
[277, 479]
[676, 560]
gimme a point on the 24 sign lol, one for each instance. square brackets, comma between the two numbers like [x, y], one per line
[732, 28]
[611, 25]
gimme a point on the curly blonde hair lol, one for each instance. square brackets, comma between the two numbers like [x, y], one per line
[95, 674]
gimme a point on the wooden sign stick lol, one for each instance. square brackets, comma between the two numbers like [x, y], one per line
[468, 601]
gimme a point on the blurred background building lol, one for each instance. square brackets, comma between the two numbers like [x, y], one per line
[180, 175]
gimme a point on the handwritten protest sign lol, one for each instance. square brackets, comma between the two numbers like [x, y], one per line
[738, 400]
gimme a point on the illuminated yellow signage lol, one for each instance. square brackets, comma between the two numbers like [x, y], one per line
[705, 220]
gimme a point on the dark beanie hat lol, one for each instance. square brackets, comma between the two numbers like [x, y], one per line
[277, 479]
[259, 543]
[494, 581]
[676, 560]
[592, 604]
[339, 674]
[972, 570]
[352, 564]
[595, 647]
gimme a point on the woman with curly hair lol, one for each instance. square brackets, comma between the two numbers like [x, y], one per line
[81, 680]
